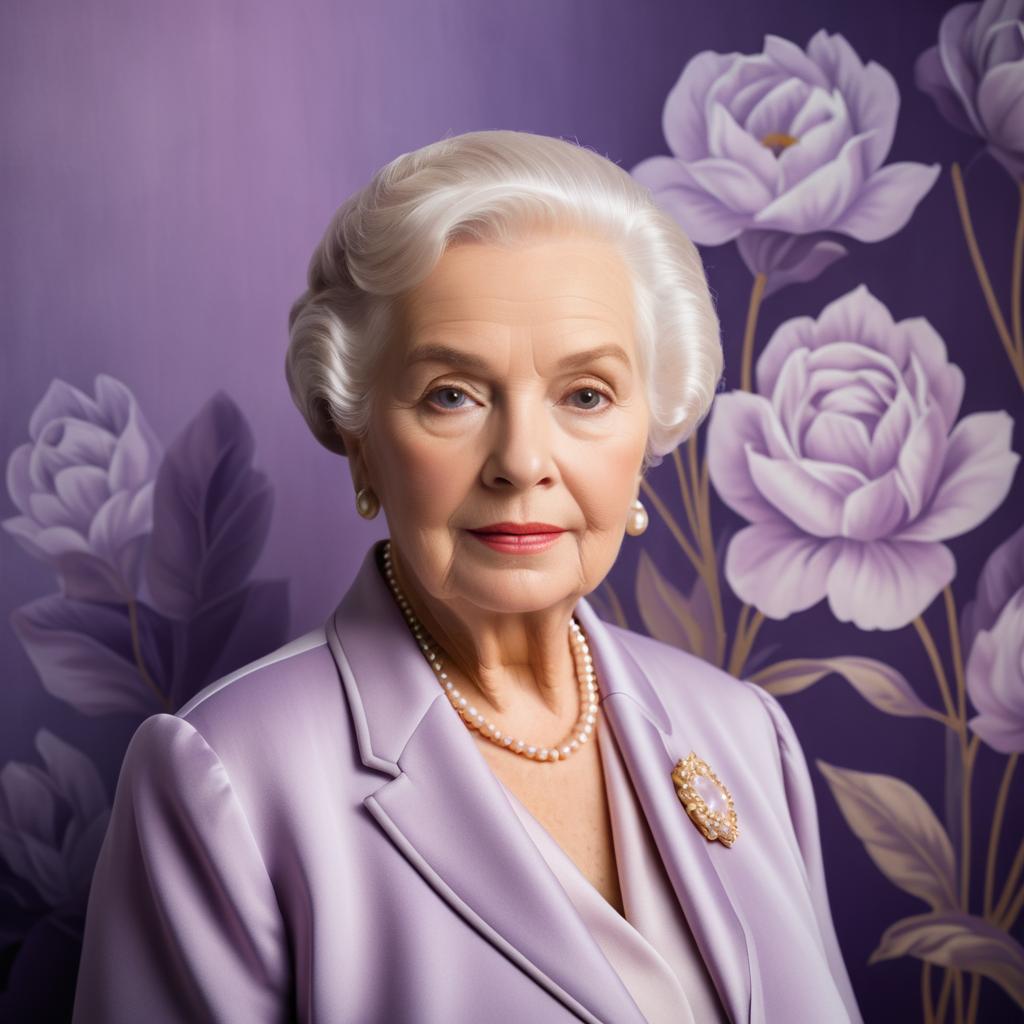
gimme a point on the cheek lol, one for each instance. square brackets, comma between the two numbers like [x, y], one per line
[605, 482]
[424, 481]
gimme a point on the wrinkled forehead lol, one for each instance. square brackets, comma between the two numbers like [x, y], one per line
[560, 291]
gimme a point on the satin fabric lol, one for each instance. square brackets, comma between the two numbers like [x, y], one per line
[317, 837]
[652, 947]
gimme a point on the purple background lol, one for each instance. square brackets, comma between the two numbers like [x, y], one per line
[167, 168]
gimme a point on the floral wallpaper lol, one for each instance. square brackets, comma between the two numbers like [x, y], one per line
[804, 538]
[843, 452]
[152, 551]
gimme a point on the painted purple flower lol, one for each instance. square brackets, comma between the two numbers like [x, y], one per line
[975, 75]
[52, 823]
[778, 149]
[851, 467]
[84, 487]
[992, 633]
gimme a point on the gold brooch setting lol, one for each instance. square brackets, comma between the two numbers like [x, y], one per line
[707, 800]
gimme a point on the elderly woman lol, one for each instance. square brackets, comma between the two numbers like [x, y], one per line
[466, 797]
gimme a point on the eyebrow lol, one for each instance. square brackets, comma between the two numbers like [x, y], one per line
[470, 361]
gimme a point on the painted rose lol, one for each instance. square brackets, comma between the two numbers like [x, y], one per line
[851, 466]
[52, 823]
[781, 150]
[84, 487]
[992, 633]
[975, 75]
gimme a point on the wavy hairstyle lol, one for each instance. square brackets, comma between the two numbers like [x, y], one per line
[497, 187]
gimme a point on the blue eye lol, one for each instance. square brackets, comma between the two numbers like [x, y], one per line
[592, 393]
[447, 390]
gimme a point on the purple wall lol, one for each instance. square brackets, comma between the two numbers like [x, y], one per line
[167, 168]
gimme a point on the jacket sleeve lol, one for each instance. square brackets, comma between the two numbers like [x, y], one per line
[182, 922]
[804, 815]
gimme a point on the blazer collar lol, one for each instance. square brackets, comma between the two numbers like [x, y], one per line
[447, 812]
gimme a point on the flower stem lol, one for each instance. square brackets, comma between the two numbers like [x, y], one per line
[1004, 917]
[972, 1000]
[617, 609]
[997, 825]
[1016, 282]
[1016, 361]
[670, 522]
[133, 619]
[947, 982]
[940, 673]
[746, 632]
[747, 358]
[926, 992]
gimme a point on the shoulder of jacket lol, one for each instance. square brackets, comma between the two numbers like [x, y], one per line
[671, 668]
[294, 657]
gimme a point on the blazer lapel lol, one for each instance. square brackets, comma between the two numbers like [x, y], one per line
[445, 810]
[700, 871]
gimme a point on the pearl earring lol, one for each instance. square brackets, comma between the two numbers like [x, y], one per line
[367, 503]
[637, 520]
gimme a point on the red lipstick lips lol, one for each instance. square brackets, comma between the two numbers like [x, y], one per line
[518, 538]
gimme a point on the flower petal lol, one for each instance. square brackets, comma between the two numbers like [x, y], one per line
[82, 490]
[777, 110]
[931, 78]
[735, 186]
[976, 477]
[728, 141]
[963, 81]
[791, 336]
[838, 437]
[777, 569]
[818, 146]
[808, 502]
[60, 401]
[741, 421]
[887, 201]
[683, 119]
[74, 775]
[793, 60]
[1001, 105]
[859, 316]
[706, 220]
[19, 483]
[885, 584]
[920, 464]
[136, 456]
[49, 510]
[876, 510]
[817, 202]
[870, 91]
[945, 379]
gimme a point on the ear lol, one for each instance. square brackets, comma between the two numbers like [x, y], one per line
[355, 452]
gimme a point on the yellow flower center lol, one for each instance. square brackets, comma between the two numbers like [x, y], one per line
[778, 141]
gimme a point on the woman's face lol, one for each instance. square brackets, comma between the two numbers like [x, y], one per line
[512, 394]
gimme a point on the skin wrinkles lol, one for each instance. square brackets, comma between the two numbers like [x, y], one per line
[516, 442]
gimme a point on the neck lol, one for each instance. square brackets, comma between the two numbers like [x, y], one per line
[518, 667]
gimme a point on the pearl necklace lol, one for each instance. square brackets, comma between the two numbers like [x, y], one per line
[580, 732]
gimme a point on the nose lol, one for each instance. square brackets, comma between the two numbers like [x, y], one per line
[520, 452]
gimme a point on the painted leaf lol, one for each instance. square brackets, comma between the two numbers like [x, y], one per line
[881, 685]
[669, 615]
[83, 653]
[962, 941]
[240, 628]
[211, 512]
[899, 830]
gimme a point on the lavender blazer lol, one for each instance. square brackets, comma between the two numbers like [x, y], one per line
[317, 837]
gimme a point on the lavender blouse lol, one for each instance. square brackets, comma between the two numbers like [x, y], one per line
[652, 949]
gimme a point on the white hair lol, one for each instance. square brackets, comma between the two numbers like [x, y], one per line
[498, 187]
